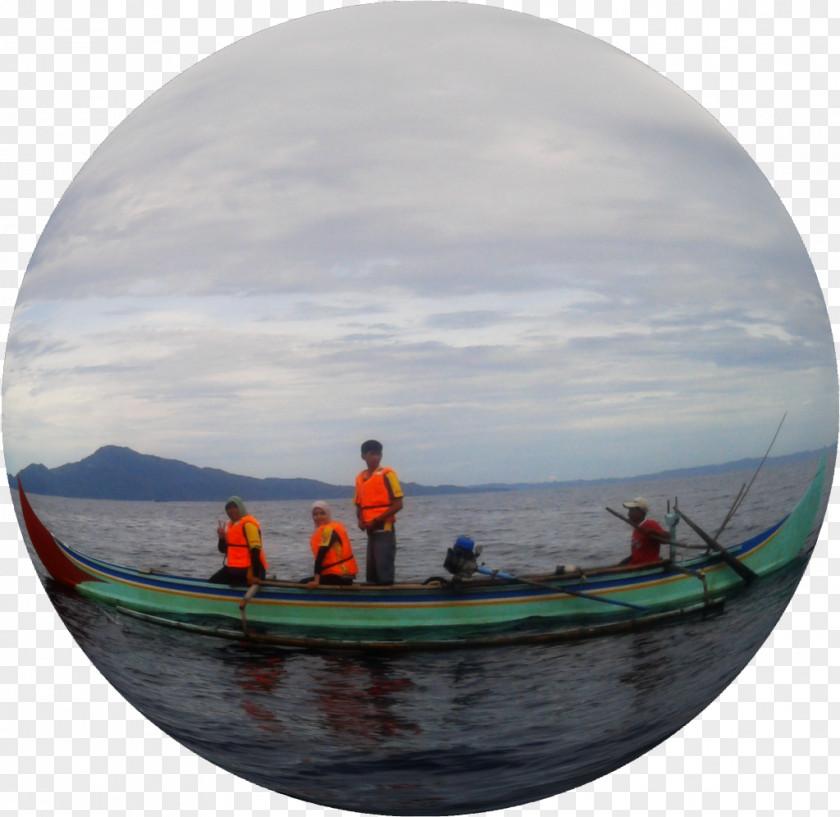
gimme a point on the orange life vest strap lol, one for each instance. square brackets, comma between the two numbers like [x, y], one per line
[334, 564]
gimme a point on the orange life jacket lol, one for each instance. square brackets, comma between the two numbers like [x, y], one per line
[339, 560]
[372, 495]
[238, 550]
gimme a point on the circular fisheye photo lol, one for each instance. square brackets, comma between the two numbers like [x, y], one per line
[420, 409]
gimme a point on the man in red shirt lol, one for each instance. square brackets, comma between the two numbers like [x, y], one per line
[648, 536]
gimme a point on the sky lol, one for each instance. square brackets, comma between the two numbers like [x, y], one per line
[504, 248]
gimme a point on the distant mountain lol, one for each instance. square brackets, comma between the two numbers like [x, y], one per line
[747, 464]
[114, 472]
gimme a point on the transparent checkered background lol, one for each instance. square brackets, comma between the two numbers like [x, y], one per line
[71, 72]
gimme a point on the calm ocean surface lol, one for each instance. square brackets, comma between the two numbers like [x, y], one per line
[429, 733]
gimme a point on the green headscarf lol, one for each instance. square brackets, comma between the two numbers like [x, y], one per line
[235, 500]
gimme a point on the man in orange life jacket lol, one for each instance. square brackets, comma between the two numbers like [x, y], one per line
[648, 537]
[378, 499]
[240, 540]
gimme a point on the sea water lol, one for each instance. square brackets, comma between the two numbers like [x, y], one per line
[429, 733]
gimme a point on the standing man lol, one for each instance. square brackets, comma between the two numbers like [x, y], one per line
[648, 535]
[378, 499]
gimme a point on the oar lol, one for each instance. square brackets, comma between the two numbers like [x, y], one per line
[623, 518]
[251, 592]
[633, 524]
[741, 569]
[496, 574]
[639, 527]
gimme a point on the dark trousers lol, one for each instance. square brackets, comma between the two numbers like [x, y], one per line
[381, 555]
[235, 576]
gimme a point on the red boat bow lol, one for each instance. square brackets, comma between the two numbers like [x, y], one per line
[52, 557]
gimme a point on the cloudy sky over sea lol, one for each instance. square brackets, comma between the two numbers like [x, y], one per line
[504, 248]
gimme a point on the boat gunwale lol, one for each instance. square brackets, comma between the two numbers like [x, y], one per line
[608, 580]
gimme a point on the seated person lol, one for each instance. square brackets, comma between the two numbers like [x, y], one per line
[334, 560]
[240, 540]
[648, 535]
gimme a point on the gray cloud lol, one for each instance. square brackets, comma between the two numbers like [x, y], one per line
[443, 224]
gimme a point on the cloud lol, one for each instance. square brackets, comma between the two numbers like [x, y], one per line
[432, 222]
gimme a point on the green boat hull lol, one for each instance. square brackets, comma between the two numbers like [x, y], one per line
[472, 609]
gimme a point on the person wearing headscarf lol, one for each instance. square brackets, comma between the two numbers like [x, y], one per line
[240, 539]
[330, 543]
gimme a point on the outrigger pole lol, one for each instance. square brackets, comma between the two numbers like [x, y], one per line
[742, 494]
[497, 574]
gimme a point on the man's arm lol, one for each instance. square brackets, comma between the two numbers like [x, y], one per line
[653, 530]
[394, 508]
[254, 540]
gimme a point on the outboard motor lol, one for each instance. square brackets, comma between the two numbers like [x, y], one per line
[461, 558]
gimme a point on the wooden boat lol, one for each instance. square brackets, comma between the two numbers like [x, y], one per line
[441, 613]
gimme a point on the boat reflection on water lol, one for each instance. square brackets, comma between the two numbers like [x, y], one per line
[357, 697]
